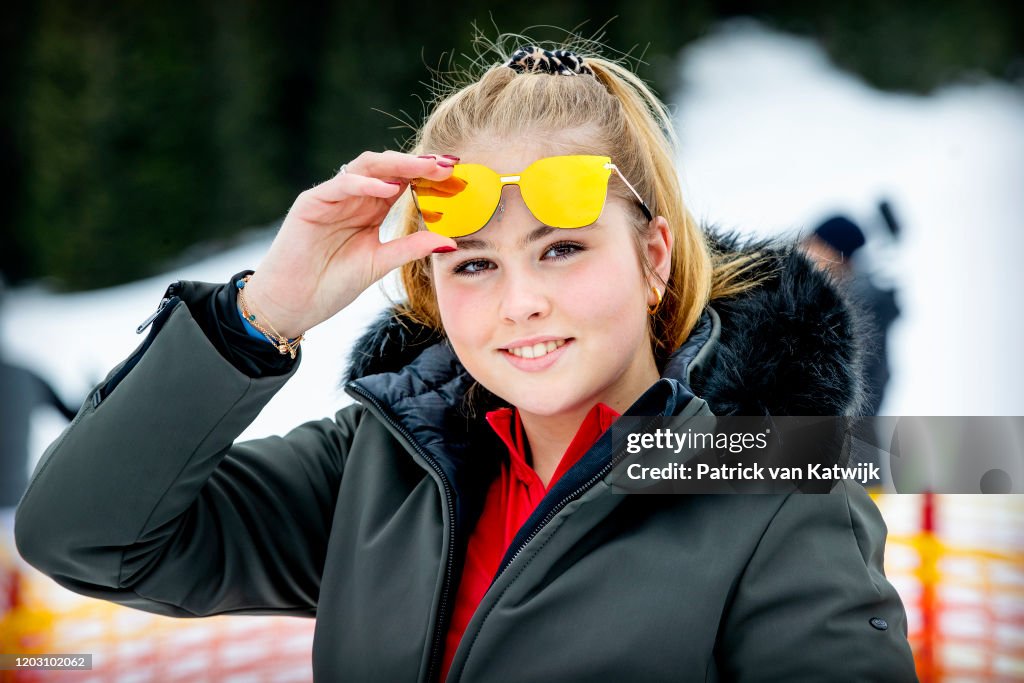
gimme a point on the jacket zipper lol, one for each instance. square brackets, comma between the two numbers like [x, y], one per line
[565, 500]
[442, 617]
[157, 320]
[172, 291]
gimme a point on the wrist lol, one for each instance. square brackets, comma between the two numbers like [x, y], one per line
[253, 332]
[258, 326]
[252, 303]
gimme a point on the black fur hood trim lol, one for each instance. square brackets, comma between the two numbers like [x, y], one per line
[787, 347]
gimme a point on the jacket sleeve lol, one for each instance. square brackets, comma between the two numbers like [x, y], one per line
[145, 500]
[813, 603]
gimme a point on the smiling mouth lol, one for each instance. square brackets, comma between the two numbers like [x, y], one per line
[536, 350]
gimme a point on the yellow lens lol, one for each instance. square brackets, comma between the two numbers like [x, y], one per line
[566, 191]
[461, 204]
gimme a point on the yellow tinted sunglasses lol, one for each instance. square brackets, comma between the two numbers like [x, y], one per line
[561, 192]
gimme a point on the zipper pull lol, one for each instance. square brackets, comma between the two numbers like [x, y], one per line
[149, 321]
[171, 291]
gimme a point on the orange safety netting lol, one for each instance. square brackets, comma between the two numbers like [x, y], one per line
[957, 562]
[37, 617]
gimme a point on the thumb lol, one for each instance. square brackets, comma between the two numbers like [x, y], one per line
[402, 250]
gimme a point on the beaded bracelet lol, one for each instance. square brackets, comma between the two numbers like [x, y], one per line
[283, 344]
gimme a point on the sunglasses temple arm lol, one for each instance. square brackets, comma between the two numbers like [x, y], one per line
[416, 203]
[643, 204]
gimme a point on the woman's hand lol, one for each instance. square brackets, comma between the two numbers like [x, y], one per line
[328, 249]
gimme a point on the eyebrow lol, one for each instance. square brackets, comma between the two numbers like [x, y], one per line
[537, 234]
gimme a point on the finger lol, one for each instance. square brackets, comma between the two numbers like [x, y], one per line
[398, 166]
[400, 251]
[349, 185]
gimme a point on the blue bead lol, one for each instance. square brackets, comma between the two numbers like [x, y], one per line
[240, 284]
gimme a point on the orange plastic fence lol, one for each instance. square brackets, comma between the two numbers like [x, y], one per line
[128, 646]
[957, 561]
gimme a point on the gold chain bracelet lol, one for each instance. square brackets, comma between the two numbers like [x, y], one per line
[283, 344]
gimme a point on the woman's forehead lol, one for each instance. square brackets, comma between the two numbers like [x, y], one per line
[509, 156]
[505, 160]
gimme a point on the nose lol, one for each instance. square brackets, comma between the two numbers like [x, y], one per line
[524, 297]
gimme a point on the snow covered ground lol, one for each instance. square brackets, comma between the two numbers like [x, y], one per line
[774, 138]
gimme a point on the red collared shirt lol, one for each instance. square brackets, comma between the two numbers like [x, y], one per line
[513, 495]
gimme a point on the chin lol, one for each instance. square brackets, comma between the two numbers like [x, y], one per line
[544, 406]
[546, 394]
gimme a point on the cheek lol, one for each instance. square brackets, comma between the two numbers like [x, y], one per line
[460, 312]
[608, 290]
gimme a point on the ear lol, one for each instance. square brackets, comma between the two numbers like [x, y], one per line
[659, 251]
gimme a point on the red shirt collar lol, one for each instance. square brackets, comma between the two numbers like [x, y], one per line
[508, 425]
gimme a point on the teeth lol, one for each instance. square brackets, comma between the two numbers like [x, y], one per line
[537, 350]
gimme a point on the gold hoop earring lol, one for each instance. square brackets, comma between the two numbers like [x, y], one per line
[651, 310]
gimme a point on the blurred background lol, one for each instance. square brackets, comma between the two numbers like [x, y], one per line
[144, 144]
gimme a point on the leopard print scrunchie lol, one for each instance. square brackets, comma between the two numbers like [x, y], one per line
[536, 60]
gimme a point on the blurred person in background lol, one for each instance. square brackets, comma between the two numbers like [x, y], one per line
[833, 246]
[457, 521]
[22, 392]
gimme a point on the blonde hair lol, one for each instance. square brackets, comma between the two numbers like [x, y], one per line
[612, 113]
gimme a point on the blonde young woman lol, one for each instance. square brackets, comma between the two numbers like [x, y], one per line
[456, 521]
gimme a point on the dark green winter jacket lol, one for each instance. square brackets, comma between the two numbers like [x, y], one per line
[361, 520]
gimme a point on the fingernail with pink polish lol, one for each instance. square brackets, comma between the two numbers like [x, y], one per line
[446, 164]
[449, 156]
[426, 156]
[444, 250]
[392, 182]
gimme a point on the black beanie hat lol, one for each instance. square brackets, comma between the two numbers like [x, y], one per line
[842, 234]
